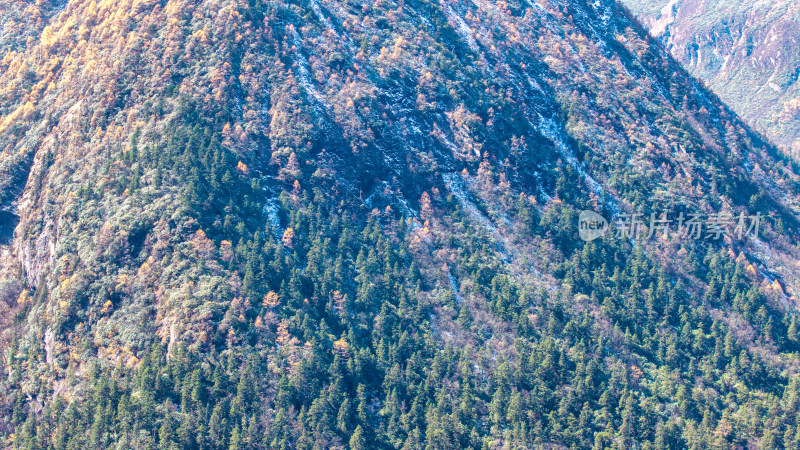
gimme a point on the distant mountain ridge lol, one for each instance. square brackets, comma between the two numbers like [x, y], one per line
[748, 51]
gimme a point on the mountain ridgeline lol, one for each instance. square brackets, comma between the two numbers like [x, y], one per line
[748, 52]
[351, 224]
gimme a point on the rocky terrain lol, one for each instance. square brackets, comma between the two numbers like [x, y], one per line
[748, 52]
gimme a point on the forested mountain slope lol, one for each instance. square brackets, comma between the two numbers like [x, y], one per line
[747, 50]
[23, 21]
[331, 224]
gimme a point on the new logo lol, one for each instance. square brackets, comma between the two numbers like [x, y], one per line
[591, 225]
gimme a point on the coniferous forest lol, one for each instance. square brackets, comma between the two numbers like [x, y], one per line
[320, 224]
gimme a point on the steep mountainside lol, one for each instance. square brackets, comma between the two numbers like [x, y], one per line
[747, 50]
[23, 21]
[330, 224]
